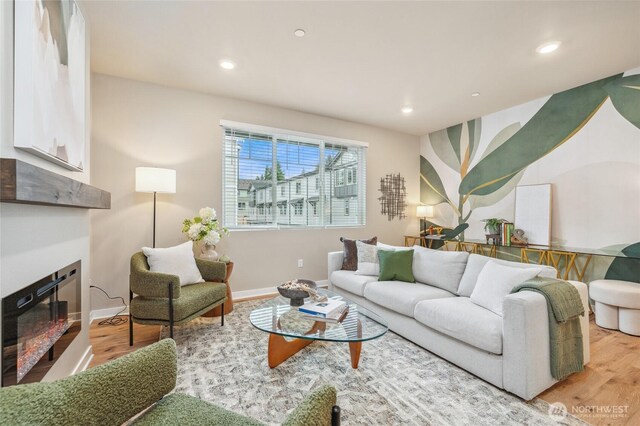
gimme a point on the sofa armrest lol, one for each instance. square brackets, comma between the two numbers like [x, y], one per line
[526, 353]
[334, 262]
[109, 394]
[315, 410]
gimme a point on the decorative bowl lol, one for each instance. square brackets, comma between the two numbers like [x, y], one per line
[297, 296]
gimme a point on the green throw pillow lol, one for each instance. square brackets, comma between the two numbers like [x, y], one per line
[396, 265]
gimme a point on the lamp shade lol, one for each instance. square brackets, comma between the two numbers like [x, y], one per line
[424, 211]
[153, 179]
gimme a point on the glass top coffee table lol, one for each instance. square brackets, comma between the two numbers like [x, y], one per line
[290, 331]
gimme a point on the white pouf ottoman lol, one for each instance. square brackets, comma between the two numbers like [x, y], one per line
[617, 305]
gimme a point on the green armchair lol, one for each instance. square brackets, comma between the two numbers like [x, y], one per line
[160, 300]
[113, 393]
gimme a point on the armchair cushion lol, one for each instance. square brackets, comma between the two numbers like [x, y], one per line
[184, 410]
[193, 298]
[177, 260]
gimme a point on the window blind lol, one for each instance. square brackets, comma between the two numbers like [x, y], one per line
[280, 180]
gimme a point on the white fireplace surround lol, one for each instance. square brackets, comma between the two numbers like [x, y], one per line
[36, 240]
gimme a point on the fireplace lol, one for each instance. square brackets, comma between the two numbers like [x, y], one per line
[38, 323]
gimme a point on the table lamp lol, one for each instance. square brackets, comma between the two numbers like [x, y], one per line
[156, 180]
[424, 212]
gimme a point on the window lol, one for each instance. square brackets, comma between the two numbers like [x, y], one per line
[321, 174]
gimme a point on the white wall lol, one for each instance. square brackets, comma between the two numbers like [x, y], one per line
[36, 240]
[140, 124]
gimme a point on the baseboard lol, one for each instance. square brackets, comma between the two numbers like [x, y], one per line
[241, 295]
[106, 313]
[84, 362]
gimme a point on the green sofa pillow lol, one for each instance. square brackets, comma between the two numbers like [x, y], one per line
[396, 265]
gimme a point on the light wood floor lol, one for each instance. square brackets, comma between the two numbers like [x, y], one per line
[610, 381]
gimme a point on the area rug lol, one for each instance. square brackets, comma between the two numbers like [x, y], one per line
[396, 383]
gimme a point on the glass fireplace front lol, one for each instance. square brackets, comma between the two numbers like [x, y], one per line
[38, 323]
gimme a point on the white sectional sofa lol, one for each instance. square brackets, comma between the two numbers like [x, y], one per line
[510, 352]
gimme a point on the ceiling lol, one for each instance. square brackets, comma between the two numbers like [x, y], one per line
[364, 61]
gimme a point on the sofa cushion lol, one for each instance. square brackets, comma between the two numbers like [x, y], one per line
[439, 268]
[383, 246]
[396, 265]
[476, 262]
[351, 282]
[460, 318]
[401, 297]
[496, 281]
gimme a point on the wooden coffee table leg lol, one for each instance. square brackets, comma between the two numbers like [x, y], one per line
[354, 349]
[280, 349]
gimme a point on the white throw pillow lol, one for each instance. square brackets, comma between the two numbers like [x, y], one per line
[368, 263]
[382, 246]
[496, 281]
[177, 260]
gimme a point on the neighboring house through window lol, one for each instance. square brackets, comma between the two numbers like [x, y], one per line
[258, 160]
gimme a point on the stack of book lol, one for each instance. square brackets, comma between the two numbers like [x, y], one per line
[329, 311]
[506, 230]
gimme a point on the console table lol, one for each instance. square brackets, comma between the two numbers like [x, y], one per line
[571, 262]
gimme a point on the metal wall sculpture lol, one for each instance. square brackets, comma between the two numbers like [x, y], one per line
[394, 195]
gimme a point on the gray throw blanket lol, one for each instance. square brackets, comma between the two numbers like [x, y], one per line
[565, 308]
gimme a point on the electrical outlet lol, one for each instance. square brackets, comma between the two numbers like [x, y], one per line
[300, 263]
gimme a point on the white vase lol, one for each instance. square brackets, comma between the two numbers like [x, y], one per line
[208, 252]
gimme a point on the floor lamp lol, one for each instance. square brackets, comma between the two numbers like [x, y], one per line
[153, 179]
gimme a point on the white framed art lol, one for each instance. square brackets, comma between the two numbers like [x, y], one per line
[50, 81]
[533, 212]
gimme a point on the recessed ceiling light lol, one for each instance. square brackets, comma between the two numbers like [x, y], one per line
[475, 94]
[227, 65]
[299, 32]
[407, 110]
[548, 47]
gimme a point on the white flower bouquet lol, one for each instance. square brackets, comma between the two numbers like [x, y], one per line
[204, 227]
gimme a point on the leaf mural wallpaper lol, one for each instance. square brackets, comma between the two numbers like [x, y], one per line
[472, 168]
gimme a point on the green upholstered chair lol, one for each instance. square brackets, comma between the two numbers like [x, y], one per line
[113, 393]
[160, 300]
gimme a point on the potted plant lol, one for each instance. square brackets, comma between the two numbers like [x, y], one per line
[492, 225]
[205, 228]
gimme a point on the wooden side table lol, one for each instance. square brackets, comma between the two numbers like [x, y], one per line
[228, 305]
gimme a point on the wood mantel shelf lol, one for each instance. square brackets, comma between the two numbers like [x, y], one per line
[25, 183]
